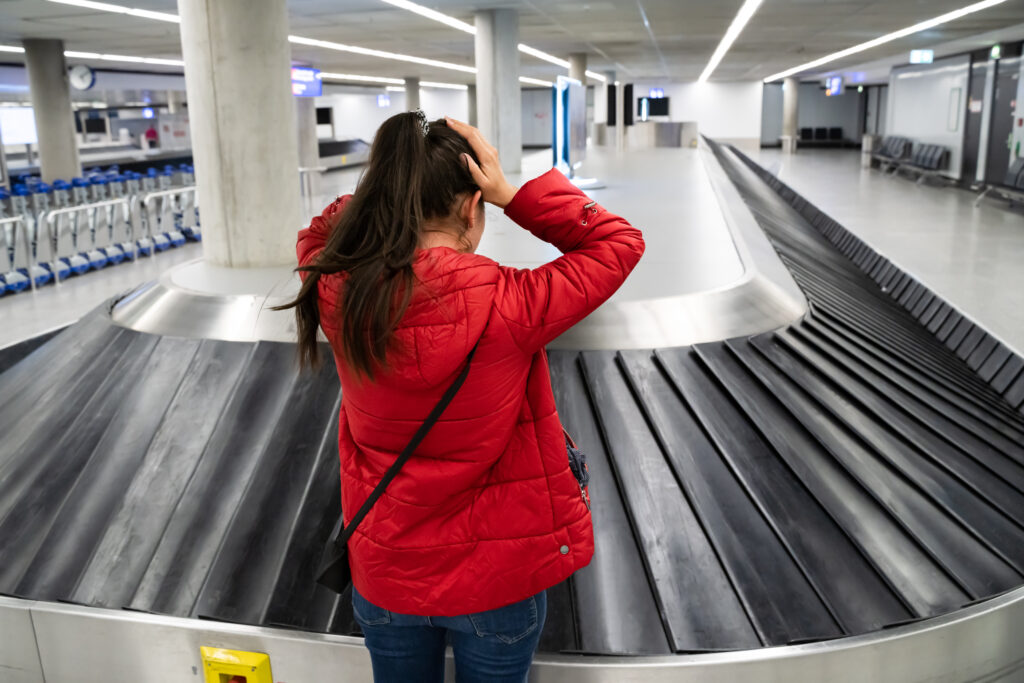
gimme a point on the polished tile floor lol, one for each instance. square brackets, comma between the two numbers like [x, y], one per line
[971, 256]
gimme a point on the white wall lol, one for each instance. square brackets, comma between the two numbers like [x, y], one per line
[356, 114]
[927, 103]
[728, 111]
[814, 110]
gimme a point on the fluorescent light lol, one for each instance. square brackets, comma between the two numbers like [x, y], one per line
[328, 45]
[596, 76]
[534, 81]
[360, 79]
[433, 14]
[888, 37]
[72, 54]
[395, 88]
[11, 48]
[119, 9]
[733, 32]
[539, 54]
[447, 86]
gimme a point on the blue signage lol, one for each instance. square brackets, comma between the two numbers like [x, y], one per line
[306, 82]
[657, 93]
[383, 100]
[834, 86]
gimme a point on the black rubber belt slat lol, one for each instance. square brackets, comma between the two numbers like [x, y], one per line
[608, 619]
[239, 585]
[52, 453]
[1001, 452]
[781, 603]
[910, 573]
[977, 466]
[13, 354]
[119, 561]
[559, 634]
[1012, 369]
[995, 362]
[980, 394]
[296, 601]
[840, 574]
[113, 461]
[966, 559]
[697, 603]
[189, 544]
[983, 422]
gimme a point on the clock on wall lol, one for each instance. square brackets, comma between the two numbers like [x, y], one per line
[81, 77]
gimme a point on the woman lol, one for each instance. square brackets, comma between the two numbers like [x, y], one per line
[486, 514]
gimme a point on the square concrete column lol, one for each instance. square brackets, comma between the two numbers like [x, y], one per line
[309, 144]
[790, 100]
[242, 119]
[578, 67]
[51, 107]
[471, 116]
[412, 93]
[499, 106]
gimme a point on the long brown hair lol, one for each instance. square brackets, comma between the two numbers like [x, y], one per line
[414, 173]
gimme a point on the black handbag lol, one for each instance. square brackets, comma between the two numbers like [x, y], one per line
[335, 572]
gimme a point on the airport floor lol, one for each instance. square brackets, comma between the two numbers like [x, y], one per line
[971, 256]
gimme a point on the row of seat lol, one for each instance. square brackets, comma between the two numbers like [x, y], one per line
[902, 154]
[50, 231]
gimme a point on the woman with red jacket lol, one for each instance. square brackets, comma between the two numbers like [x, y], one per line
[486, 514]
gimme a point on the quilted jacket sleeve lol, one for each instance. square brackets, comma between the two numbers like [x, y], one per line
[599, 251]
[312, 239]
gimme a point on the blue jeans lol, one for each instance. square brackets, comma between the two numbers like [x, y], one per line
[496, 646]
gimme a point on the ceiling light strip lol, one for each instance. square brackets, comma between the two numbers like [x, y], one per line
[732, 33]
[433, 14]
[895, 35]
[596, 76]
[119, 9]
[535, 81]
[11, 48]
[340, 47]
[360, 79]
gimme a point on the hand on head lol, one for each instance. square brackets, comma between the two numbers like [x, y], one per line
[488, 174]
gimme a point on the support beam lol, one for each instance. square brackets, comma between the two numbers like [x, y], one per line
[51, 106]
[499, 105]
[578, 67]
[790, 100]
[237, 73]
[412, 93]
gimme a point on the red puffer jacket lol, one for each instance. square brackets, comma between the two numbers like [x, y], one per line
[486, 512]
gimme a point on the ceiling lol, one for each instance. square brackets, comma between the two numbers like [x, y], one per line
[682, 35]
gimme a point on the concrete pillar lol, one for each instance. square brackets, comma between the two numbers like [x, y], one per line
[578, 67]
[601, 98]
[412, 93]
[790, 98]
[471, 93]
[620, 117]
[242, 119]
[51, 106]
[309, 146]
[175, 101]
[499, 105]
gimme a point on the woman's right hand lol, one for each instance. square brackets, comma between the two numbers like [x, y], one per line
[488, 174]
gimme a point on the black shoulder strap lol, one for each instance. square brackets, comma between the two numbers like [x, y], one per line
[418, 437]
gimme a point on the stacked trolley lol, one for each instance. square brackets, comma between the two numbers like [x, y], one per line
[49, 232]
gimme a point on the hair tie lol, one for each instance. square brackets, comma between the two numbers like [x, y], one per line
[423, 121]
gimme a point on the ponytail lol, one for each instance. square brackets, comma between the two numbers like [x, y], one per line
[414, 173]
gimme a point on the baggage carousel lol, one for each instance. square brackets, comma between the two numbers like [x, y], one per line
[825, 482]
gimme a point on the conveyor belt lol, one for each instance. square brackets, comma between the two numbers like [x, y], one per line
[838, 476]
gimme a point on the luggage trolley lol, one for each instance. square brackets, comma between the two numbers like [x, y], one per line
[22, 270]
[63, 227]
[160, 211]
